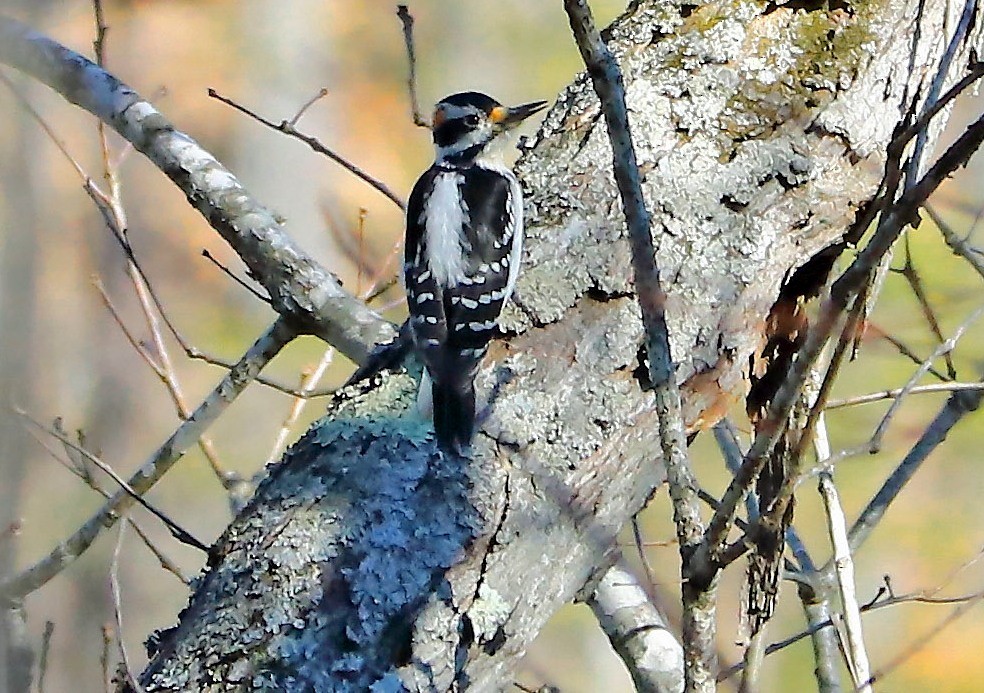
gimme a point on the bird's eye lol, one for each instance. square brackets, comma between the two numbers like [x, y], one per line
[471, 120]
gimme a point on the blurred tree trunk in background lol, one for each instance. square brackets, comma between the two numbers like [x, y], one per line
[20, 236]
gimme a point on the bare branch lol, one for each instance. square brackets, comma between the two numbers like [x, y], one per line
[308, 383]
[179, 533]
[638, 632]
[903, 349]
[826, 652]
[699, 622]
[857, 656]
[843, 292]
[914, 279]
[287, 128]
[322, 93]
[945, 347]
[406, 19]
[228, 272]
[114, 584]
[892, 394]
[959, 246]
[299, 287]
[958, 405]
[266, 347]
[90, 481]
[49, 630]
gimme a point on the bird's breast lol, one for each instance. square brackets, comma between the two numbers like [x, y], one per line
[444, 216]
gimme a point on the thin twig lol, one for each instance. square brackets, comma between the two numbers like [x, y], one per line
[308, 383]
[49, 630]
[107, 643]
[640, 549]
[406, 19]
[314, 143]
[111, 208]
[874, 605]
[904, 349]
[385, 277]
[924, 640]
[228, 272]
[99, 44]
[945, 347]
[114, 584]
[179, 533]
[958, 405]
[232, 385]
[914, 280]
[116, 220]
[892, 394]
[79, 471]
[137, 345]
[193, 352]
[857, 655]
[959, 246]
[322, 93]
[303, 291]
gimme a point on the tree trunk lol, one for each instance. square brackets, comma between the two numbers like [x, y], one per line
[366, 560]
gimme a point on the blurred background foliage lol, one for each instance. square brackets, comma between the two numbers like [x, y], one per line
[62, 355]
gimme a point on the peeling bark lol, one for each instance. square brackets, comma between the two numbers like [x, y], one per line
[369, 561]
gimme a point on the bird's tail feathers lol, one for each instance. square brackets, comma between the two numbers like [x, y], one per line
[453, 401]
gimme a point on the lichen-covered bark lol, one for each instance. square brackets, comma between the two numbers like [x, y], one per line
[369, 561]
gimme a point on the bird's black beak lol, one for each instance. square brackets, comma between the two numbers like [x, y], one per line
[505, 117]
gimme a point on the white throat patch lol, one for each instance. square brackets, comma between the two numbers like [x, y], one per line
[444, 219]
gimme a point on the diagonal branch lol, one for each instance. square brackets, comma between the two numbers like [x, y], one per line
[287, 128]
[638, 632]
[958, 405]
[698, 622]
[231, 386]
[301, 290]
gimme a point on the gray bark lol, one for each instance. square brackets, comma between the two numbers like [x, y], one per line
[366, 560]
[760, 133]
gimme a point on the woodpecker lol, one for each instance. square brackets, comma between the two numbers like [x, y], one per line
[462, 253]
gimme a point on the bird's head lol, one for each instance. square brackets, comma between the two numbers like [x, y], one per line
[465, 124]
